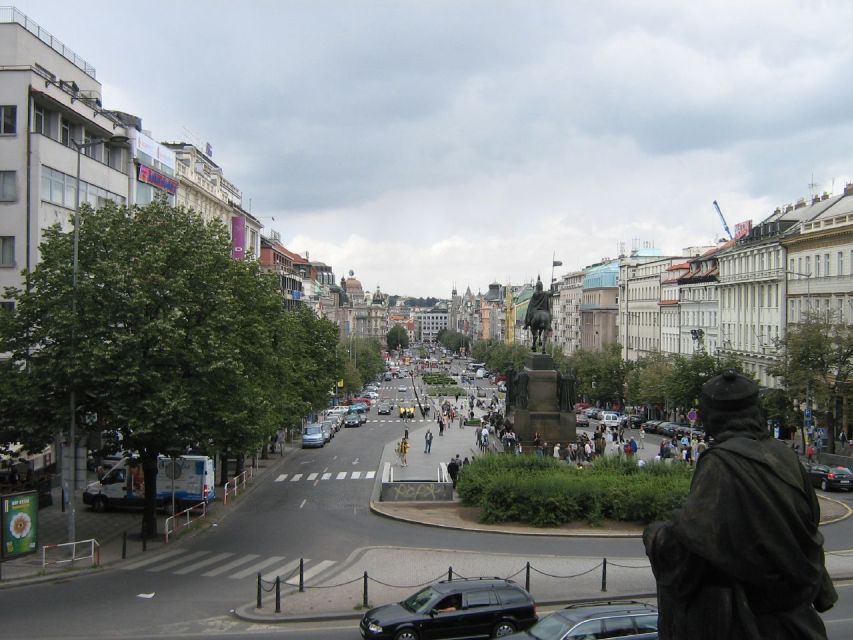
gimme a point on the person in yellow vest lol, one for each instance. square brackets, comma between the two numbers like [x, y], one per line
[404, 451]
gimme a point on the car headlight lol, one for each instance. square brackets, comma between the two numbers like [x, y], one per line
[374, 628]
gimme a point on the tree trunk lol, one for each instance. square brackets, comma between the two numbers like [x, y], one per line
[223, 468]
[241, 464]
[149, 513]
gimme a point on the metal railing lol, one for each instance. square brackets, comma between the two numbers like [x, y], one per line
[91, 546]
[184, 519]
[238, 482]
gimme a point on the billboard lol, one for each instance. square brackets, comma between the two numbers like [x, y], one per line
[742, 229]
[19, 520]
[238, 237]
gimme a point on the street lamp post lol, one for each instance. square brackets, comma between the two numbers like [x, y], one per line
[71, 478]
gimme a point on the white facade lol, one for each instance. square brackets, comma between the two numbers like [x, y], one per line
[670, 313]
[699, 305]
[567, 312]
[429, 323]
[50, 99]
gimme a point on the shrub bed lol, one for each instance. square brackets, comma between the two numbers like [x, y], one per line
[545, 492]
[438, 379]
[445, 390]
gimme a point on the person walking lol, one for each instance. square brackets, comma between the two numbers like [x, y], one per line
[441, 426]
[404, 452]
[557, 451]
[428, 441]
[642, 437]
[453, 471]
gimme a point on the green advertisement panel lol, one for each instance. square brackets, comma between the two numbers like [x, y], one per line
[19, 516]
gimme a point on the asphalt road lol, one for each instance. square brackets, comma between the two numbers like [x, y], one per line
[324, 521]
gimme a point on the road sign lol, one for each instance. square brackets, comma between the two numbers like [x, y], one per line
[808, 412]
[692, 415]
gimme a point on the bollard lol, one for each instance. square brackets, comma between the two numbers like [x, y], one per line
[301, 575]
[259, 590]
[604, 575]
[527, 577]
[278, 594]
[364, 596]
[450, 574]
[124, 545]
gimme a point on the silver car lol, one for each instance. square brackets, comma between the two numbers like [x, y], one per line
[312, 436]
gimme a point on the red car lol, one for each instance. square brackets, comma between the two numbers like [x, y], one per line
[364, 401]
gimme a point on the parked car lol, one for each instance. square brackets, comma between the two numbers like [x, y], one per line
[581, 418]
[668, 429]
[328, 429]
[651, 426]
[629, 620]
[361, 400]
[483, 607]
[827, 478]
[402, 388]
[312, 436]
[372, 395]
[631, 422]
[609, 419]
[384, 409]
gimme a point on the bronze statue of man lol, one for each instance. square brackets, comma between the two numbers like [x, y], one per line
[538, 316]
[743, 558]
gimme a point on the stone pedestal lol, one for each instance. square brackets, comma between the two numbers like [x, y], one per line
[542, 412]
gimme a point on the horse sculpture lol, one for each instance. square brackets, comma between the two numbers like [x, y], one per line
[539, 325]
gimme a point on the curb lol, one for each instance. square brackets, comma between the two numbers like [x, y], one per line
[248, 613]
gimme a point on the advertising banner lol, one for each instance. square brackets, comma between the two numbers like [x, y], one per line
[742, 229]
[238, 237]
[147, 175]
[19, 518]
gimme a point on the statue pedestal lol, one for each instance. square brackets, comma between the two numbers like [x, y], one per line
[542, 412]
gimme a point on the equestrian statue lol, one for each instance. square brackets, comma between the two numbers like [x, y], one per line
[538, 316]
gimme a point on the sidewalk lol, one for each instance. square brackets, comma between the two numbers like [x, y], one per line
[109, 529]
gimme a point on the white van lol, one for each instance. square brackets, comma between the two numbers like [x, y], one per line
[124, 484]
[609, 419]
[481, 373]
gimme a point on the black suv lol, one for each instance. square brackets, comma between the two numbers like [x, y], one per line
[470, 608]
[625, 619]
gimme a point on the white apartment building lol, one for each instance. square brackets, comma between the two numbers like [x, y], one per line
[699, 304]
[50, 117]
[639, 295]
[752, 289]
[566, 322]
[820, 263]
[670, 311]
[429, 323]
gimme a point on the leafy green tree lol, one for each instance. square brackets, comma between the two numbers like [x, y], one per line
[366, 356]
[645, 382]
[817, 363]
[600, 374]
[452, 340]
[397, 338]
[173, 343]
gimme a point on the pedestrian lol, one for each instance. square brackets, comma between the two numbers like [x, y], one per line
[428, 441]
[404, 451]
[810, 453]
[441, 426]
[461, 426]
[642, 437]
[633, 444]
[453, 471]
[557, 451]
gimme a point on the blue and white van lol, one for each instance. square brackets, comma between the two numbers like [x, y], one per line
[124, 484]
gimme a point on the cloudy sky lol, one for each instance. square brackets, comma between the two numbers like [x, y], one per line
[426, 143]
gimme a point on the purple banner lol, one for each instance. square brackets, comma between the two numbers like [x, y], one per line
[238, 237]
[155, 179]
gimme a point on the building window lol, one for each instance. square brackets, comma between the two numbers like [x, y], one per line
[808, 270]
[7, 251]
[826, 264]
[65, 132]
[817, 265]
[8, 119]
[8, 190]
[38, 120]
[840, 265]
[7, 305]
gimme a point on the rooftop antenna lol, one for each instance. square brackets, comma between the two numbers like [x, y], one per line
[812, 184]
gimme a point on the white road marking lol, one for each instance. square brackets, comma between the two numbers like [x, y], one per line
[326, 476]
[311, 476]
[176, 562]
[369, 475]
[296, 477]
[204, 563]
[341, 476]
[282, 571]
[355, 461]
[312, 571]
[303, 503]
[356, 475]
[152, 560]
[231, 565]
[335, 458]
[147, 596]
[245, 573]
[281, 478]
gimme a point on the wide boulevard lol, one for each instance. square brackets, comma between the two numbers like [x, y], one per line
[317, 511]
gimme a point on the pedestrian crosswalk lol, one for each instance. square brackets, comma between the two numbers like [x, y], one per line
[339, 475]
[407, 421]
[208, 564]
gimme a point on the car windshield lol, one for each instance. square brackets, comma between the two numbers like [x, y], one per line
[312, 430]
[843, 471]
[550, 628]
[416, 602]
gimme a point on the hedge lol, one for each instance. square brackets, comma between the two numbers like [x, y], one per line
[445, 391]
[438, 379]
[545, 492]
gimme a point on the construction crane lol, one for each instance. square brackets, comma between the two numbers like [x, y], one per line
[725, 226]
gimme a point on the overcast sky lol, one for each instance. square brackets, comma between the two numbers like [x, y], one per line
[425, 143]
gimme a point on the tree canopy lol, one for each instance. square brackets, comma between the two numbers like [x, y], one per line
[397, 338]
[173, 343]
